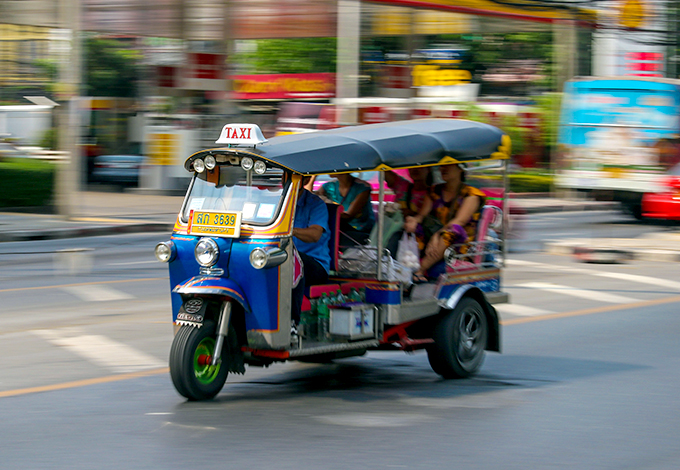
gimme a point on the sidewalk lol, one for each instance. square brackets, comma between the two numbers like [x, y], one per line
[105, 213]
[97, 213]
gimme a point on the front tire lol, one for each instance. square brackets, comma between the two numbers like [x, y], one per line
[460, 339]
[191, 375]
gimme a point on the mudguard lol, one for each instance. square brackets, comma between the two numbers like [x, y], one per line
[468, 290]
[210, 285]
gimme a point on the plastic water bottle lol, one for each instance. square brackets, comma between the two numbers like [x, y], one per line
[331, 298]
[354, 295]
[311, 324]
[323, 317]
[340, 298]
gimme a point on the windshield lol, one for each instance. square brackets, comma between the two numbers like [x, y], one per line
[258, 202]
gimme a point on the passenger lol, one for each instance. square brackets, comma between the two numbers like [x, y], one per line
[411, 197]
[457, 207]
[354, 195]
[311, 235]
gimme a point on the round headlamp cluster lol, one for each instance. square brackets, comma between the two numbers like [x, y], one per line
[207, 163]
[258, 166]
[165, 252]
[206, 252]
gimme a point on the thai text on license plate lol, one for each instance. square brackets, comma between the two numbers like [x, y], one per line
[222, 224]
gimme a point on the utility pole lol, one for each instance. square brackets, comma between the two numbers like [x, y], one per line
[68, 93]
[347, 76]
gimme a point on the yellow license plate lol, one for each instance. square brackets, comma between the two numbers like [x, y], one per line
[222, 224]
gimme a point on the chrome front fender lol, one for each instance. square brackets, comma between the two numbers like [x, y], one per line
[210, 285]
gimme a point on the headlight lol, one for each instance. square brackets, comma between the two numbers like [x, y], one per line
[267, 258]
[260, 167]
[199, 166]
[206, 252]
[210, 162]
[165, 252]
[247, 163]
[258, 258]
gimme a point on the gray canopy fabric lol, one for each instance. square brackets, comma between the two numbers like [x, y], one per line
[386, 146]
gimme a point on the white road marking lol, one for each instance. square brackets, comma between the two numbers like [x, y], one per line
[654, 281]
[134, 262]
[521, 310]
[581, 293]
[520, 262]
[96, 293]
[102, 351]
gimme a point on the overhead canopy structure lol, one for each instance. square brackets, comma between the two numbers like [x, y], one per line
[393, 145]
[254, 19]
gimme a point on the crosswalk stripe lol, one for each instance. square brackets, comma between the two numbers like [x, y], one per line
[521, 310]
[96, 293]
[581, 293]
[654, 281]
[102, 351]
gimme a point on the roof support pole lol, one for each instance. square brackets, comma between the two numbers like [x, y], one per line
[381, 222]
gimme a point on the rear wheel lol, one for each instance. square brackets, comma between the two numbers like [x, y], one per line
[190, 369]
[459, 341]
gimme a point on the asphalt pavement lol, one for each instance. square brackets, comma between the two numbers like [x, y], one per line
[108, 213]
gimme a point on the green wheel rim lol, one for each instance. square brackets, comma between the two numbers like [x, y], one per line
[205, 373]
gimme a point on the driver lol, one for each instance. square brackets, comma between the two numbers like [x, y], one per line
[311, 235]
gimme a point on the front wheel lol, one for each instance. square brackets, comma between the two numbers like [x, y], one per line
[190, 369]
[459, 341]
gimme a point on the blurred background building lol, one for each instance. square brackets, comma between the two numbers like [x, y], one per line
[159, 78]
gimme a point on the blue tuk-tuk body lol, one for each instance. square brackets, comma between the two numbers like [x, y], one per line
[233, 264]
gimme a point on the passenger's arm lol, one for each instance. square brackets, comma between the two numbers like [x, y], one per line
[466, 210]
[411, 222]
[357, 205]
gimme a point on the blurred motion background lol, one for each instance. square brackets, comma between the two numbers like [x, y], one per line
[149, 83]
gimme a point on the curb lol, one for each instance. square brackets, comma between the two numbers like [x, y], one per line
[94, 231]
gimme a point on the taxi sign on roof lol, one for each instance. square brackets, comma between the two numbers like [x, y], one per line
[241, 134]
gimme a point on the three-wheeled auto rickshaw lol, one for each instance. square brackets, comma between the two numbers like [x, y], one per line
[233, 263]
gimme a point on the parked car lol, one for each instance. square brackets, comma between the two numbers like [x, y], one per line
[9, 151]
[664, 205]
[118, 169]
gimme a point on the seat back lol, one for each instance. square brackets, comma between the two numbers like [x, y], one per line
[489, 215]
[334, 212]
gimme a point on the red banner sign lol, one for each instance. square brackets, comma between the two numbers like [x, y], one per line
[283, 86]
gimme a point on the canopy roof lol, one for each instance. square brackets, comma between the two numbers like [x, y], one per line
[403, 144]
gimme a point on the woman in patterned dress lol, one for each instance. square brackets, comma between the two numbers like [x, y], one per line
[457, 207]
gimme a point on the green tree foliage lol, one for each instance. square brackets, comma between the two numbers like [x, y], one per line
[300, 55]
[111, 69]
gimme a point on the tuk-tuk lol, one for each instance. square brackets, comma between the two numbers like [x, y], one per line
[233, 263]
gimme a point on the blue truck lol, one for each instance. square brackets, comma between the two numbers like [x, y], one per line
[618, 136]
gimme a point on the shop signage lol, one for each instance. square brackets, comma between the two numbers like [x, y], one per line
[283, 86]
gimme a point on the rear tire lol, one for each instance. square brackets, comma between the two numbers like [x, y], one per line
[460, 339]
[190, 375]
